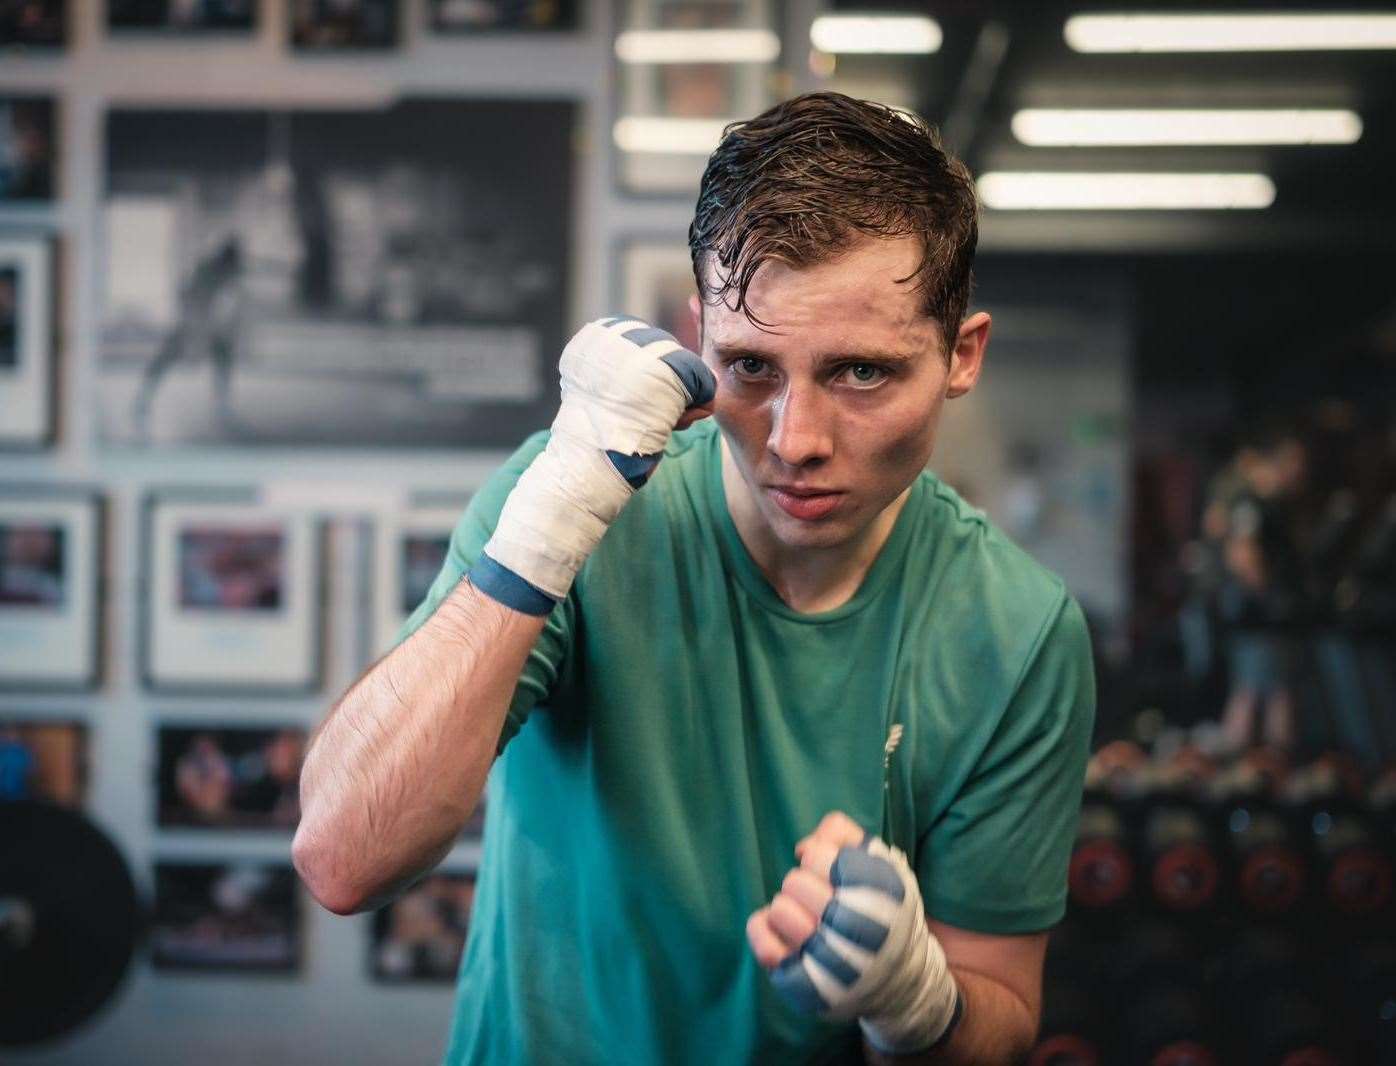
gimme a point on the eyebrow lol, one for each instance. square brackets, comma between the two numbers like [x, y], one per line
[732, 351]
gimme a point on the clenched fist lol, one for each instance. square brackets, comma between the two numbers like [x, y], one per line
[846, 937]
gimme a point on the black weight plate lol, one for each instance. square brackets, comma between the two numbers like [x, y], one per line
[86, 920]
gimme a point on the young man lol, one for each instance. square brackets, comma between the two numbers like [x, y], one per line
[790, 739]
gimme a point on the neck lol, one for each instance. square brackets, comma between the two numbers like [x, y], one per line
[809, 580]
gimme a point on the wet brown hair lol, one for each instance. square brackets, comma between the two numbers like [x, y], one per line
[800, 182]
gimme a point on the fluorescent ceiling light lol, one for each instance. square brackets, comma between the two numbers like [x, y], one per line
[1230, 33]
[883, 34]
[697, 46]
[1062, 191]
[669, 136]
[1079, 126]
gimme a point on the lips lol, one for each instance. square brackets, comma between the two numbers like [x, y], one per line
[805, 504]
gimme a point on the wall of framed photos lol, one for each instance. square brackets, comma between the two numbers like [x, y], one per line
[215, 508]
[277, 292]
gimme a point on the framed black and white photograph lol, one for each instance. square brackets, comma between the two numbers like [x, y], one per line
[236, 916]
[335, 277]
[421, 935]
[653, 280]
[502, 16]
[214, 777]
[28, 149]
[182, 16]
[409, 549]
[50, 587]
[328, 25]
[33, 23]
[43, 760]
[26, 340]
[686, 69]
[232, 594]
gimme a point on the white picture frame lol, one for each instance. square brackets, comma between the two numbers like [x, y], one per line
[26, 341]
[400, 538]
[232, 594]
[51, 567]
[653, 280]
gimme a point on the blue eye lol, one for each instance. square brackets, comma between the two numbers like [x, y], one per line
[866, 375]
[749, 366]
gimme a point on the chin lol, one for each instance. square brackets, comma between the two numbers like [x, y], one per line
[794, 533]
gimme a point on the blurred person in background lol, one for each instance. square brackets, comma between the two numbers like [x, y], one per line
[209, 324]
[1252, 519]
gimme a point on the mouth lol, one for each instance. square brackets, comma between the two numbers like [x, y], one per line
[805, 503]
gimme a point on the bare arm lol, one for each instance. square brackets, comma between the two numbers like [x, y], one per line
[398, 765]
[1000, 980]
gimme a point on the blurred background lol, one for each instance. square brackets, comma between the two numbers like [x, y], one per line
[281, 281]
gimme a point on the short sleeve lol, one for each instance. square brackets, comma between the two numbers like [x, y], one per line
[996, 861]
[546, 665]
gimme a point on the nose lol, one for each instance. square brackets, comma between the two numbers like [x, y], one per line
[801, 426]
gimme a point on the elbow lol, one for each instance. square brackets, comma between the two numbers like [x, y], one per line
[323, 877]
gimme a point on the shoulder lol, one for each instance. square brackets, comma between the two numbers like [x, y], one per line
[981, 567]
[991, 610]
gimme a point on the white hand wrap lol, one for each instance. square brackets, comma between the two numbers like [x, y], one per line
[873, 956]
[624, 386]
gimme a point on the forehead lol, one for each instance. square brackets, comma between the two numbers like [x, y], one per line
[863, 297]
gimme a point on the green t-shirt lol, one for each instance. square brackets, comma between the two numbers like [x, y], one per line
[678, 727]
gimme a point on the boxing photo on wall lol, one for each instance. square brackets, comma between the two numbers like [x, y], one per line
[421, 935]
[232, 594]
[229, 777]
[182, 16]
[327, 25]
[505, 16]
[409, 548]
[236, 916]
[33, 23]
[677, 88]
[43, 760]
[28, 149]
[337, 277]
[50, 587]
[26, 340]
[653, 280]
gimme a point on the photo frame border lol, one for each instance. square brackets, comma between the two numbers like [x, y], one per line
[376, 589]
[400, 39]
[219, 723]
[448, 868]
[48, 372]
[621, 246]
[94, 497]
[151, 500]
[615, 25]
[167, 855]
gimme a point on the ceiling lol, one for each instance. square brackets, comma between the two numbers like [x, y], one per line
[999, 57]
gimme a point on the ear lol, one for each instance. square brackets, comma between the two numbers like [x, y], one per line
[968, 357]
[695, 308]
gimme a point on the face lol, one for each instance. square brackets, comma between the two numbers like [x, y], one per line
[830, 418]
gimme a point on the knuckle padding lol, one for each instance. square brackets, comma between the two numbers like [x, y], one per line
[643, 335]
[795, 986]
[855, 867]
[697, 379]
[819, 949]
[858, 928]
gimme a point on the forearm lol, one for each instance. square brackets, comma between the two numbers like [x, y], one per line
[400, 762]
[997, 1028]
